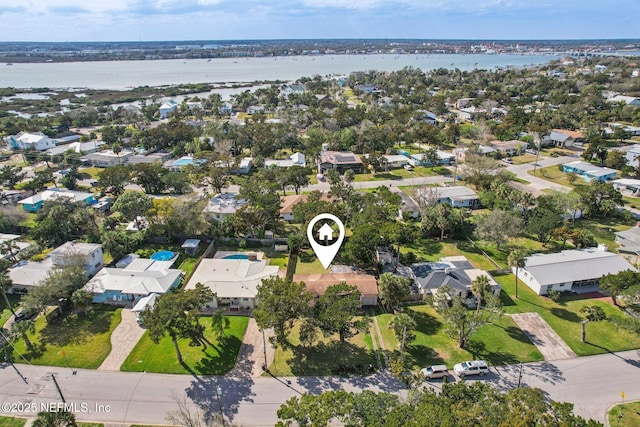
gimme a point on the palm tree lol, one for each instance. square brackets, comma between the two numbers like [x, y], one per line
[5, 285]
[55, 419]
[516, 259]
[8, 247]
[480, 287]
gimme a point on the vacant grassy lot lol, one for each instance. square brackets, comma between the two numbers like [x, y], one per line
[565, 318]
[79, 341]
[12, 422]
[217, 358]
[433, 249]
[325, 357]
[499, 344]
[308, 263]
[625, 415]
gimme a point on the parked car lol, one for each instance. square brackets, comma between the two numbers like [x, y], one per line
[435, 371]
[508, 160]
[408, 167]
[471, 367]
[19, 317]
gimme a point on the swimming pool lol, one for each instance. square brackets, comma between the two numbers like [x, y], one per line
[237, 256]
[162, 256]
[184, 161]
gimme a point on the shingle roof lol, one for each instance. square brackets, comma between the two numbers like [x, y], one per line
[317, 284]
[232, 278]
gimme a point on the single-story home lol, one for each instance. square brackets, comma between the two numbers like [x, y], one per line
[562, 138]
[633, 155]
[139, 279]
[34, 203]
[509, 148]
[626, 100]
[394, 161]
[589, 172]
[458, 197]
[106, 158]
[223, 205]
[627, 184]
[13, 196]
[291, 89]
[234, 281]
[15, 245]
[296, 159]
[408, 207]
[289, 201]
[444, 158]
[341, 161]
[317, 284]
[77, 147]
[454, 271]
[629, 241]
[577, 270]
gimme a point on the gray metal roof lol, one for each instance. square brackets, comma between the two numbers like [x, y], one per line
[573, 265]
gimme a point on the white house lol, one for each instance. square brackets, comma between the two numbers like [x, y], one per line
[394, 161]
[27, 141]
[139, 279]
[90, 254]
[107, 158]
[627, 100]
[292, 89]
[457, 196]
[633, 155]
[576, 270]
[77, 147]
[225, 109]
[296, 159]
[234, 281]
[167, 108]
[223, 205]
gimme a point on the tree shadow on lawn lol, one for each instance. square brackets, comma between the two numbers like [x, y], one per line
[479, 351]
[515, 332]
[386, 175]
[422, 356]
[426, 323]
[235, 389]
[333, 358]
[565, 314]
[306, 257]
[218, 360]
[76, 328]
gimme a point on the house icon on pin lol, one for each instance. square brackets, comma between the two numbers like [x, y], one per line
[325, 232]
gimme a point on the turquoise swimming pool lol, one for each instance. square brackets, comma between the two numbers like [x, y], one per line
[237, 256]
[162, 256]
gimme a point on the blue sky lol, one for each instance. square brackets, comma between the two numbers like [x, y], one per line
[114, 20]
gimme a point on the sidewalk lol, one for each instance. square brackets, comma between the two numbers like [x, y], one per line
[124, 337]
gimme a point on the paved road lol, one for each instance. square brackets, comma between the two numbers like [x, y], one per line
[592, 383]
[539, 184]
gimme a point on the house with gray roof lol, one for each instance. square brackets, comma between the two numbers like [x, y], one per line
[589, 172]
[223, 205]
[341, 161]
[456, 272]
[575, 270]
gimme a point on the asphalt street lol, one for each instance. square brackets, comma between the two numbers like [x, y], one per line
[592, 383]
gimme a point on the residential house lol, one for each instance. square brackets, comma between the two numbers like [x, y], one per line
[463, 103]
[89, 254]
[11, 197]
[107, 158]
[167, 108]
[444, 158]
[576, 270]
[458, 197]
[288, 202]
[317, 284]
[481, 150]
[223, 205]
[428, 117]
[292, 89]
[255, 109]
[589, 172]
[31, 141]
[508, 148]
[394, 161]
[295, 159]
[225, 109]
[470, 113]
[368, 88]
[633, 155]
[233, 281]
[562, 138]
[76, 147]
[627, 100]
[27, 275]
[245, 165]
[146, 158]
[627, 185]
[629, 241]
[34, 203]
[10, 246]
[141, 278]
[341, 161]
[456, 272]
[408, 208]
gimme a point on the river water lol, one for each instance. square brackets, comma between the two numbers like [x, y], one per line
[121, 75]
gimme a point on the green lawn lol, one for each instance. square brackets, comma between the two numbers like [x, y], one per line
[30, 219]
[308, 263]
[553, 174]
[499, 344]
[12, 422]
[604, 229]
[90, 424]
[78, 341]
[525, 158]
[625, 415]
[325, 357]
[401, 173]
[565, 318]
[433, 250]
[216, 359]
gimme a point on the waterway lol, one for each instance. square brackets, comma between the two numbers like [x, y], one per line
[122, 75]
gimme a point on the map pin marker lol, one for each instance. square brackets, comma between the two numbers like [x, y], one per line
[327, 253]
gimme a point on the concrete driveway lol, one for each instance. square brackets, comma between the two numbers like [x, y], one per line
[546, 340]
[123, 338]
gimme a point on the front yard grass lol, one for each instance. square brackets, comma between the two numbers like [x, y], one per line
[499, 344]
[432, 250]
[325, 357]
[565, 318]
[308, 263]
[79, 341]
[553, 174]
[522, 159]
[625, 415]
[215, 359]
[14, 299]
[12, 422]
